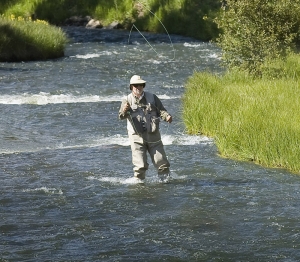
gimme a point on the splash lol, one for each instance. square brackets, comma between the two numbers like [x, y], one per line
[151, 179]
[45, 190]
[109, 141]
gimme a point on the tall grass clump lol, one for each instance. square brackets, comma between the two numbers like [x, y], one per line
[250, 119]
[23, 40]
[20, 8]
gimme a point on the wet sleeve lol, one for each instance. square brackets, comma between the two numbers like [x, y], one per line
[163, 113]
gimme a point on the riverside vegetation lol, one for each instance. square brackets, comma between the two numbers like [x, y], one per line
[185, 17]
[252, 110]
[253, 119]
[23, 39]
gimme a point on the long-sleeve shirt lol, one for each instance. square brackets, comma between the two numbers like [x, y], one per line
[162, 112]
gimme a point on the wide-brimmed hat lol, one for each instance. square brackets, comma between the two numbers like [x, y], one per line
[136, 80]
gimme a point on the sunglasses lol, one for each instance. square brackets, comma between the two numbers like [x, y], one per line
[137, 85]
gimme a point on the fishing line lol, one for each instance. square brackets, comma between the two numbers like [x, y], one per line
[134, 26]
[159, 55]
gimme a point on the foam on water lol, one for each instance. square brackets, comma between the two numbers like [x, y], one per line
[216, 56]
[115, 140]
[44, 98]
[45, 190]
[88, 56]
[184, 139]
[116, 180]
[162, 97]
[192, 45]
[167, 139]
[153, 61]
[130, 180]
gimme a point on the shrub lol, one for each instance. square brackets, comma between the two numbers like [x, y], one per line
[256, 31]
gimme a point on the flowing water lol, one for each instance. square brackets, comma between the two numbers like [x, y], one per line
[66, 191]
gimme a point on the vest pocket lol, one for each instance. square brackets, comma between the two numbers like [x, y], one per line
[138, 124]
[152, 123]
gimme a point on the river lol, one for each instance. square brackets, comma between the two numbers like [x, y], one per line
[66, 191]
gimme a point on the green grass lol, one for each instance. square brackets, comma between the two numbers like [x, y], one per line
[24, 8]
[23, 40]
[250, 119]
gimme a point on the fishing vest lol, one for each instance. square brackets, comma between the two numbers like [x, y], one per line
[142, 118]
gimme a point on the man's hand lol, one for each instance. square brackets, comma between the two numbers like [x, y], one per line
[126, 108]
[169, 119]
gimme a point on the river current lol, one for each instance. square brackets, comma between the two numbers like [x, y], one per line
[66, 191]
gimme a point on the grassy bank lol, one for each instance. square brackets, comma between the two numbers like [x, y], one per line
[250, 119]
[22, 40]
[186, 17]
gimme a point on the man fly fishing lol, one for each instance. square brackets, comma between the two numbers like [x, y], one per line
[143, 111]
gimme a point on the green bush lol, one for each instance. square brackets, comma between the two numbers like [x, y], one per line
[256, 31]
[23, 40]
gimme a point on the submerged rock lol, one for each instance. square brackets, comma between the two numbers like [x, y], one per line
[94, 24]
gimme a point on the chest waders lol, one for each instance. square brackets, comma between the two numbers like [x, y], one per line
[143, 130]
